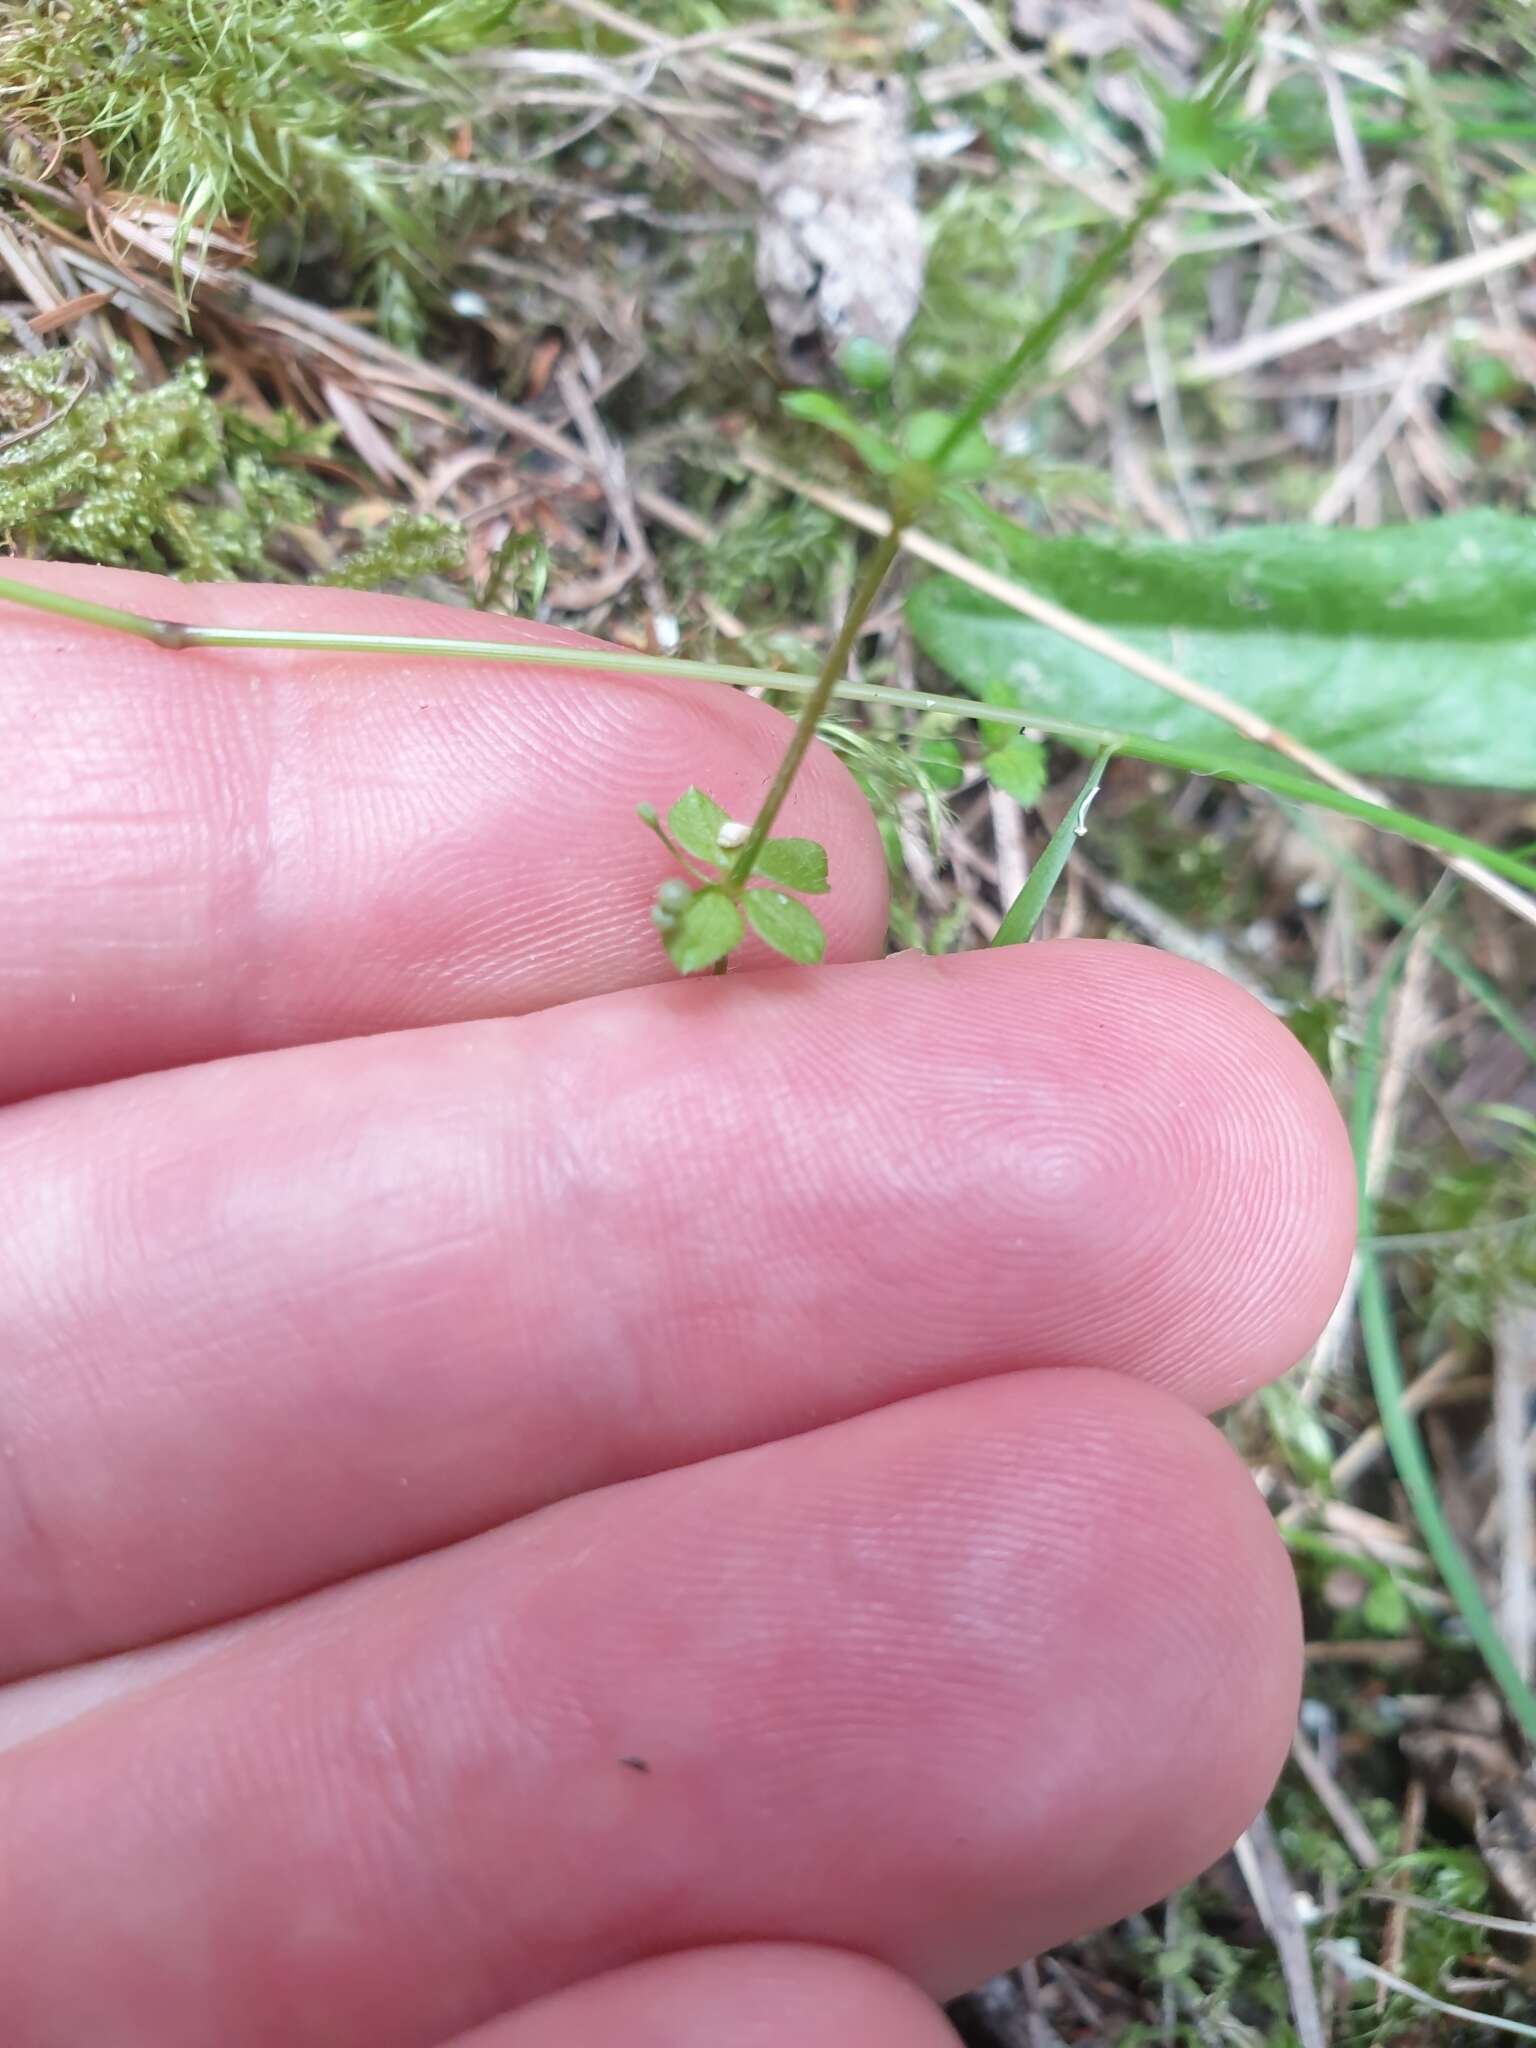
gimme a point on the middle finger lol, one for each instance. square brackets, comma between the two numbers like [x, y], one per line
[940, 1685]
[276, 1320]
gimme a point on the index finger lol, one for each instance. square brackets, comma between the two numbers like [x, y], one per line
[207, 852]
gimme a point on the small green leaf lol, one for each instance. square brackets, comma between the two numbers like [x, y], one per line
[1018, 770]
[822, 410]
[694, 822]
[1385, 1610]
[787, 926]
[1023, 913]
[794, 864]
[924, 434]
[941, 761]
[1315, 1023]
[707, 929]
[1299, 1431]
[518, 574]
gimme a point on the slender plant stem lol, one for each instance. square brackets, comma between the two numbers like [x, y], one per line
[876, 565]
[1041, 338]
[533, 653]
[1091, 739]
[1398, 1427]
[1037, 343]
[39, 598]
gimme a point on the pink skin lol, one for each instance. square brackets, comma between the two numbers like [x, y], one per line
[761, 1997]
[790, 1381]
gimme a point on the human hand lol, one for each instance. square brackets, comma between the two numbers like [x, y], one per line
[498, 1489]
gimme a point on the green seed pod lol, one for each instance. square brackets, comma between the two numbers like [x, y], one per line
[672, 899]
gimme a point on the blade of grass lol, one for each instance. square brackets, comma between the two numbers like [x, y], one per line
[1403, 911]
[1023, 913]
[1091, 739]
[1379, 1338]
[1344, 1956]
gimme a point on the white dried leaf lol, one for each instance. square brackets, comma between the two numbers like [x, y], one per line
[1084, 29]
[840, 242]
[1076, 28]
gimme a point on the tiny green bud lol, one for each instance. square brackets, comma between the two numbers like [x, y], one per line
[866, 364]
[673, 897]
[646, 813]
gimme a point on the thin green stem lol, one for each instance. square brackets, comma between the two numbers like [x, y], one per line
[534, 653]
[39, 598]
[1398, 1427]
[1403, 911]
[1039, 340]
[1091, 739]
[876, 565]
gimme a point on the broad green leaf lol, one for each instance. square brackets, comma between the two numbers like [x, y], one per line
[1402, 651]
[1023, 914]
[787, 926]
[794, 864]
[1017, 769]
[707, 930]
[694, 822]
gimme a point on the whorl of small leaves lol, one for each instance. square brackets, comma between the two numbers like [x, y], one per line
[701, 922]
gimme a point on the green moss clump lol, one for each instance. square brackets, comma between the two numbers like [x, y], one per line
[107, 470]
[263, 110]
[410, 547]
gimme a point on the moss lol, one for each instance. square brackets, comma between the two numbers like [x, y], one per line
[163, 478]
[270, 110]
[107, 470]
[409, 547]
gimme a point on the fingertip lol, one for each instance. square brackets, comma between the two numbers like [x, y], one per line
[1189, 1125]
[762, 1995]
[1112, 1604]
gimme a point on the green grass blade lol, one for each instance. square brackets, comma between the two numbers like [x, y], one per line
[1024, 912]
[1403, 1440]
[1403, 911]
